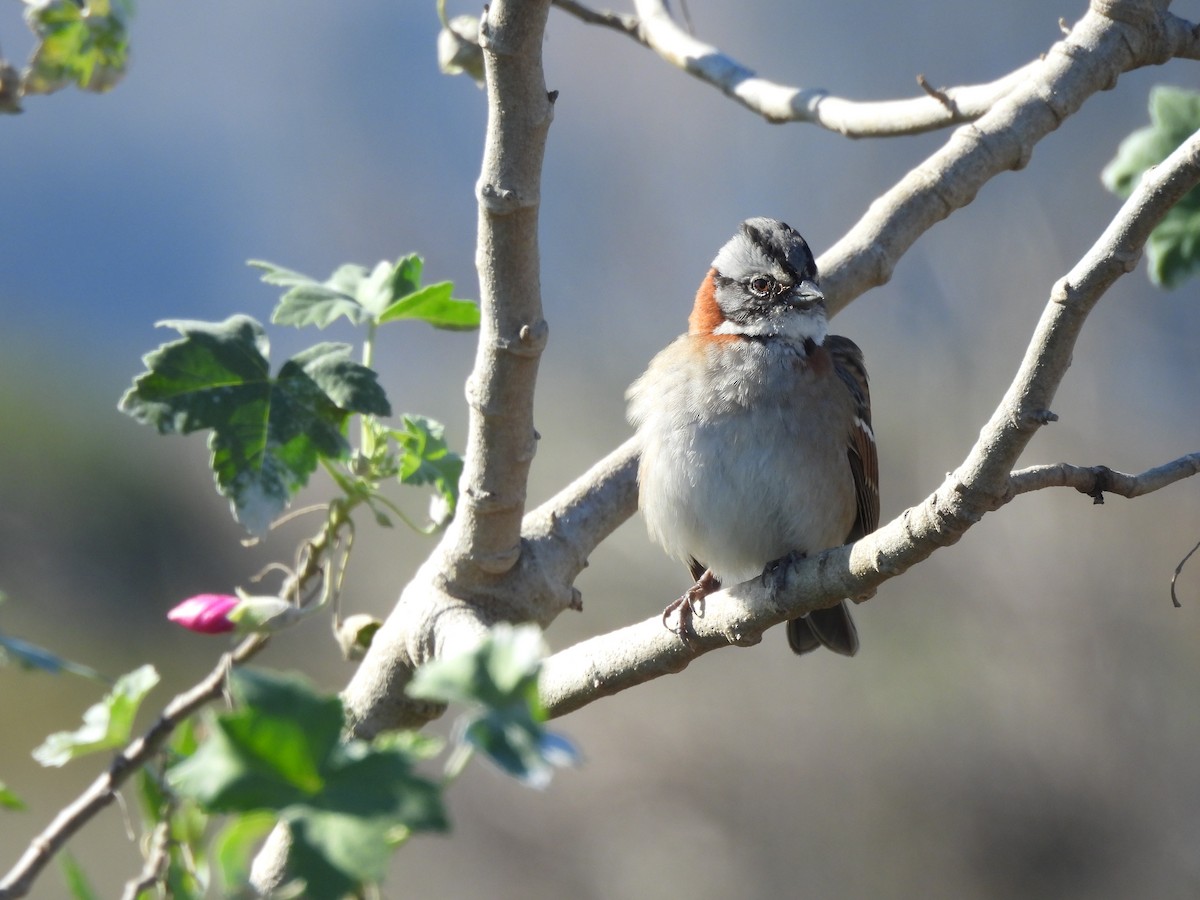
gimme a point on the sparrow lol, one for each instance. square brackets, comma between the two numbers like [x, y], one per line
[755, 428]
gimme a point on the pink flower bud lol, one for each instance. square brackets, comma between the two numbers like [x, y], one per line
[205, 613]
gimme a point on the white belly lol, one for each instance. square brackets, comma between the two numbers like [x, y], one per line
[720, 477]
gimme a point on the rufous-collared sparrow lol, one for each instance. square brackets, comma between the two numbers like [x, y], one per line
[755, 428]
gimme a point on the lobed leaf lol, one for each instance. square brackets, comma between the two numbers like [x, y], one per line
[268, 434]
[106, 724]
[426, 459]
[435, 305]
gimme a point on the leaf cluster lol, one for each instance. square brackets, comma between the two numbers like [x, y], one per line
[347, 803]
[1173, 250]
[269, 432]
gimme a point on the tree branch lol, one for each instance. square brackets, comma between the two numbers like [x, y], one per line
[157, 857]
[613, 662]
[484, 539]
[101, 792]
[1096, 481]
[950, 178]
[1096, 52]
[624, 23]
[559, 536]
[656, 29]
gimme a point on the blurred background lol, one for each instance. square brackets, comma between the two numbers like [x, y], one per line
[1022, 720]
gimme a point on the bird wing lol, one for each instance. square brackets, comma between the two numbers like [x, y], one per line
[860, 444]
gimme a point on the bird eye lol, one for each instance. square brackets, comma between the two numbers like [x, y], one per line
[760, 285]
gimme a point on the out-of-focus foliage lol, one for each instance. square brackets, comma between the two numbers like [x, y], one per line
[83, 44]
[106, 725]
[504, 719]
[1173, 250]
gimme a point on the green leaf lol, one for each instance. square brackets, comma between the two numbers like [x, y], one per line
[311, 302]
[268, 434]
[31, 656]
[434, 304]
[371, 798]
[1173, 250]
[406, 276]
[77, 881]
[85, 44]
[346, 279]
[387, 292]
[280, 752]
[233, 850]
[316, 305]
[335, 855]
[498, 682]
[269, 752]
[106, 725]
[9, 800]
[501, 672]
[425, 459]
[376, 780]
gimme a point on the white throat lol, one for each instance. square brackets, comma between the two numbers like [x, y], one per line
[792, 325]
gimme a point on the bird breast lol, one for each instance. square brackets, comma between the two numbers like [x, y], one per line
[744, 448]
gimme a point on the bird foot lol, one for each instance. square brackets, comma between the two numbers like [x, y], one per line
[690, 604]
[774, 567]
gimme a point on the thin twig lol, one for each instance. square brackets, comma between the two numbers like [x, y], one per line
[1178, 570]
[656, 29]
[622, 22]
[156, 862]
[1096, 481]
[101, 792]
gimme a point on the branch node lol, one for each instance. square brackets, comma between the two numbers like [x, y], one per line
[552, 96]
[864, 596]
[1062, 292]
[498, 199]
[576, 600]
[497, 563]
[1128, 261]
[939, 95]
[738, 638]
[1041, 417]
[1064, 27]
[1102, 480]
[531, 339]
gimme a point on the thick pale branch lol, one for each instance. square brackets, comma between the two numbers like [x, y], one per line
[484, 540]
[613, 662]
[1096, 481]
[564, 530]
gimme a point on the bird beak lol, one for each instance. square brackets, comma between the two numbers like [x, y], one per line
[806, 294]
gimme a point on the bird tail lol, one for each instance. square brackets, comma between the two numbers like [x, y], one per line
[832, 628]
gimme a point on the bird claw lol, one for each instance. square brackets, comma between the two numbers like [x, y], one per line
[690, 604]
[686, 606]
